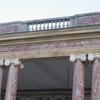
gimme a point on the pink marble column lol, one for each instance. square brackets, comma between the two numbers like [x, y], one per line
[96, 79]
[11, 88]
[1, 76]
[78, 82]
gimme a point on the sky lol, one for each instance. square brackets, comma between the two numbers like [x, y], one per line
[22, 10]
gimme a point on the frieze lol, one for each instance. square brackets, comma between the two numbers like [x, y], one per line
[51, 46]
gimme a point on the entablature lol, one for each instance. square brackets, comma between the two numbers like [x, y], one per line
[51, 43]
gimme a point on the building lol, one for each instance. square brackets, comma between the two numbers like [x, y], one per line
[51, 59]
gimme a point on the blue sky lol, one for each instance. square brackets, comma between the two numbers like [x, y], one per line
[15, 10]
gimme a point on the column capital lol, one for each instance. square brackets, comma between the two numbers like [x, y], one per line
[1, 62]
[14, 61]
[82, 57]
[91, 57]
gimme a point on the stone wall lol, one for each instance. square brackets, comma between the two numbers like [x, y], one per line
[87, 19]
[13, 27]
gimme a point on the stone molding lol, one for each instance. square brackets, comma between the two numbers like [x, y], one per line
[40, 37]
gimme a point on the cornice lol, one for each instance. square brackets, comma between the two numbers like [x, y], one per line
[39, 37]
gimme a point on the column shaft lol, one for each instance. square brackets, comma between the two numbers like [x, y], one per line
[1, 76]
[96, 80]
[12, 82]
[78, 82]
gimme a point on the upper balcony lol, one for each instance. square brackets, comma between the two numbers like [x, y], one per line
[51, 23]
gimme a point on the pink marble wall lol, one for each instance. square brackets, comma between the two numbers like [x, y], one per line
[9, 28]
[12, 27]
[87, 20]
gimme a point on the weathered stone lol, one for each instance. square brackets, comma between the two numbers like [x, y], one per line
[78, 82]
[11, 88]
[12, 27]
[89, 19]
[1, 76]
[96, 80]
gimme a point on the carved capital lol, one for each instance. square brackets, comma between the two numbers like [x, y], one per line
[82, 57]
[14, 61]
[1, 62]
[91, 57]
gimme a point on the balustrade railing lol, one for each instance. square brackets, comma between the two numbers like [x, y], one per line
[51, 23]
[48, 24]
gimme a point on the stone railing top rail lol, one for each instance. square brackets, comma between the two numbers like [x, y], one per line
[51, 23]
